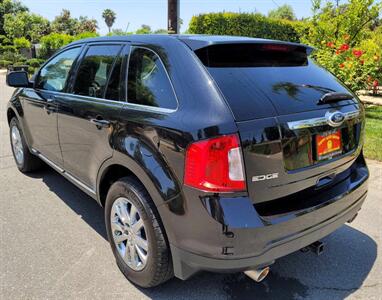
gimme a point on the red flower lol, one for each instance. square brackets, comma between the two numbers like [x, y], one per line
[375, 83]
[357, 53]
[361, 61]
[342, 65]
[330, 44]
[344, 47]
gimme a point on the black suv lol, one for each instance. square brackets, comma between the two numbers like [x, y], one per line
[207, 152]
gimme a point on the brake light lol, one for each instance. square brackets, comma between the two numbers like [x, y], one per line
[215, 165]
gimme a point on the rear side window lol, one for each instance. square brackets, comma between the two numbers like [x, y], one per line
[253, 55]
[94, 70]
[148, 83]
[54, 74]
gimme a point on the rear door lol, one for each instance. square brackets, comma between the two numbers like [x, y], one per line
[89, 115]
[40, 106]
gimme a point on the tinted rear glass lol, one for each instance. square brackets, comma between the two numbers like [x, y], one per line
[252, 55]
[264, 80]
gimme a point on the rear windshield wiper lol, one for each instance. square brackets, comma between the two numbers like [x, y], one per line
[334, 97]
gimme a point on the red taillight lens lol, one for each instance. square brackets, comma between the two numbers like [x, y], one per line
[215, 165]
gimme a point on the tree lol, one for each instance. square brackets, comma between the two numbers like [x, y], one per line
[25, 24]
[344, 23]
[161, 31]
[282, 12]
[109, 17]
[9, 7]
[87, 25]
[64, 23]
[145, 29]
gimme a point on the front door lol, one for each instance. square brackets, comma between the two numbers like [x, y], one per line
[89, 115]
[40, 106]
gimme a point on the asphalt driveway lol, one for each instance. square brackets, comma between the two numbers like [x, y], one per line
[53, 245]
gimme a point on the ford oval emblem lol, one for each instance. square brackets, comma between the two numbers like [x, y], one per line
[335, 118]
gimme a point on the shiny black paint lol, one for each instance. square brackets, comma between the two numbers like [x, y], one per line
[224, 231]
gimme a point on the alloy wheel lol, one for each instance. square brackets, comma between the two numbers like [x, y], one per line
[129, 233]
[17, 145]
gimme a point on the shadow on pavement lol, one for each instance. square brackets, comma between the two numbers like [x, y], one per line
[337, 273]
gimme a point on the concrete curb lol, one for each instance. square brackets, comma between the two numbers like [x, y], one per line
[371, 100]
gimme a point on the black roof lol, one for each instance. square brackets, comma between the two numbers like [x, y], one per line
[195, 42]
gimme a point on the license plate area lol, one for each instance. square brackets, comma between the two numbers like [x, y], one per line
[328, 144]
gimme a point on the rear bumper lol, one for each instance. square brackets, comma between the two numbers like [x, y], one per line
[249, 240]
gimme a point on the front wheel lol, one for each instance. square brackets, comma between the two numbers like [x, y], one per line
[135, 234]
[25, 161]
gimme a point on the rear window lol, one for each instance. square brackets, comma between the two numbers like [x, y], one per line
[252, 55]
[265, 80]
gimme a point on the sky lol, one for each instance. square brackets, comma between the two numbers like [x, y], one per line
[134, 13]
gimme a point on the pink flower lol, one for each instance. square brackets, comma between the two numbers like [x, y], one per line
[375, 83]
[357, 53]
[344, 47]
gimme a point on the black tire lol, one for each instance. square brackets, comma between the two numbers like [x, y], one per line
[30, 162]
[158, 268]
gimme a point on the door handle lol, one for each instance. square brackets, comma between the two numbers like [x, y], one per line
[100, 123]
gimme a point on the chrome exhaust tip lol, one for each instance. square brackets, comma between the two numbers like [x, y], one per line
[257, 275]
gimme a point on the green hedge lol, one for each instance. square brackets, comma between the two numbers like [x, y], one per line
[244, 24]
[4, 63]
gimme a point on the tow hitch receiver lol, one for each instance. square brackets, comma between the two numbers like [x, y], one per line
[316, 247]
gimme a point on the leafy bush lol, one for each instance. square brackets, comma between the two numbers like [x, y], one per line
[85, 35]
[52, 42]
[243, 24]
[4, 63]
[35, 62]
[4, 40]
[12, 56]
[21, 43]
[358, 67]
[7, 48]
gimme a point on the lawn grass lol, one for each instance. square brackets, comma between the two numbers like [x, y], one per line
[373, 139]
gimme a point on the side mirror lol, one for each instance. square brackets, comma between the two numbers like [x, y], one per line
[18, 79]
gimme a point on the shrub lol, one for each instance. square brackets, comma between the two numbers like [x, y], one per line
[21, 43]
[85, 35]
[4, 63]
[12, 56]
[4, 40]
[243, 24]
[52, 42]
[7, 48]
[35, 62]
[358, 67]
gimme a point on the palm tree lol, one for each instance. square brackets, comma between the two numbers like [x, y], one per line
[109, 17]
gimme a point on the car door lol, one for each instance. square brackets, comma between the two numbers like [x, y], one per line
[40, 106]
[89, 115]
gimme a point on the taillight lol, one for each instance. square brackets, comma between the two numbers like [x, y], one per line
[215, 165]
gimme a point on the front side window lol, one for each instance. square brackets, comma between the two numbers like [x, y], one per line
[94, 70]
[148, 83]
[54, 74]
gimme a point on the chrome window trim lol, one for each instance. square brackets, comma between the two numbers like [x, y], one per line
[148, 107]
[307, 123]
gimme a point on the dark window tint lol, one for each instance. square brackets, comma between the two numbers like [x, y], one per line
[94, 70]
[253, 55]
[148, 83]
[54, 74]
[113, 91]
